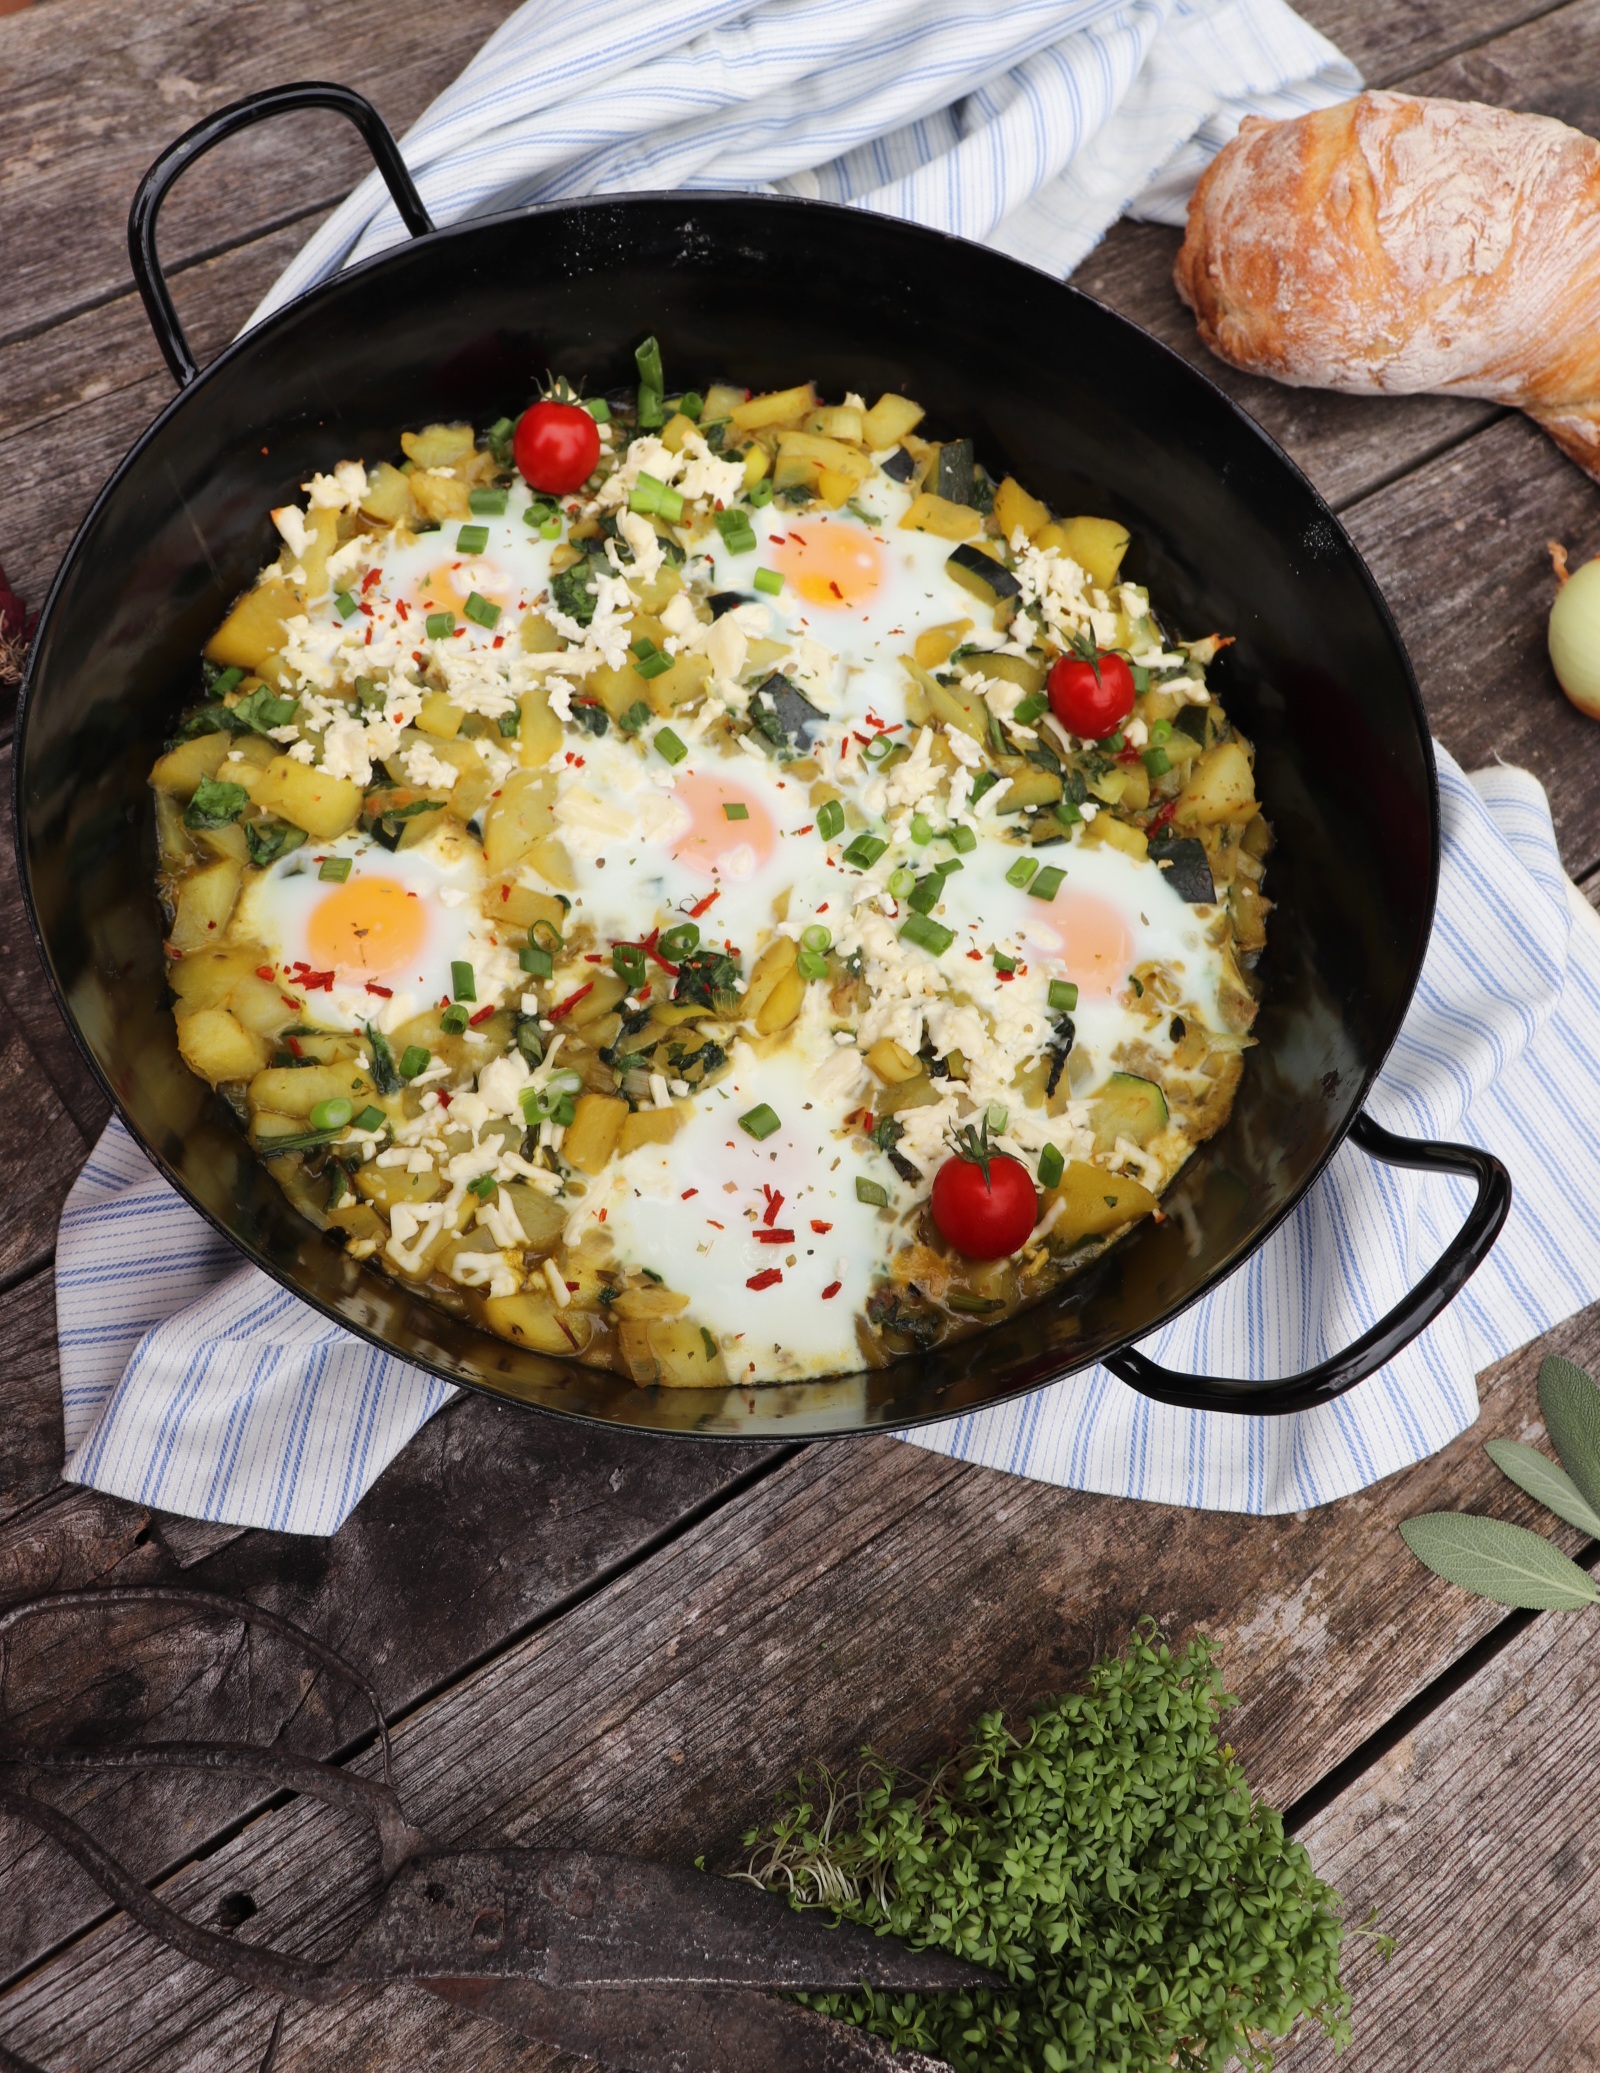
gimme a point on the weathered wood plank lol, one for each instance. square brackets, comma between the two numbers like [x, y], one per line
[1545, 67]
[1475, 1840]
[30, 1399]
[1459, 549]
[861, 1590]
[1391, 44]
[41, 1149]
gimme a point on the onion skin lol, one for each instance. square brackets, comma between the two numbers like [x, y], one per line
[1575, 638]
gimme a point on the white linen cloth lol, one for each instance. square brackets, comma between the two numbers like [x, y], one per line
[196, 1385]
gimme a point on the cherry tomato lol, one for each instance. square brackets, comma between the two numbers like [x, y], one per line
[984, 1219]
[1090, 705]
[557, 447]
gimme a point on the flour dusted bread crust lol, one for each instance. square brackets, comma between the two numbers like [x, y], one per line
[1392, 245]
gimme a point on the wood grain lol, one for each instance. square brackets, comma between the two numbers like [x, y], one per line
[1392, 43]
[861, 1590]
[1475, 1840]
[41, 1149]
[1546, 67]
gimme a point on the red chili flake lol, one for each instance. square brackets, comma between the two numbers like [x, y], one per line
[482, 1015]
[294, 1047]
[1128, 755]
[444, 1098]
[366, 638]
[823, 908]
[571, 1341]
[711, 1220]
[806, 830]
[687, 1193]
[820, 1227]
[593, 957]
[1162, 818]
[290, 1002]
[844, 746]
[505, 890]
[976, 956]
[700, 906]
[384, 993]
[499, 641]
[831, 1291]
[648, 946]
[1003, 976]
[643, 994]
[314, 982]
[777, 1237]
[421, 661]
[265, 972]
[368, 610]
[769, 1277]
[402, 608]
[600, 1215]
[572, 1288]
[838, 593]
[774, 1202]
[566, 1007]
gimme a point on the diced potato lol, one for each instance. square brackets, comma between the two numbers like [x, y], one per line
[1029, 787]
[776, 407]
[686, 679]
[1097, 545]
[515, 820]
[603, 995]
[676, 430]
[542, 1217]
[359, 1221]
[1014, 669]
[260, 1005]
[834, 488]
[936, 644]
[756, 465]
[1248, 912]
[1117, 834]
[1014, 508]
[532, 1320]
[254, 629]
[593, 1132]
[216, 1045]
[323, 526]
[438, 446]
[440, 716]
[950, 705]
[793, 472]
[440, 497]
[538, 636]
[1093, 1203]
[174, 843]
[721, 398]
[226, 841]
[324, 806]
[774, 964]
[548, 857]
[295, 1090]
[826, 453]
[937, 515]
[893, 1063]
[649, 1126]
[889, 420]
[539, 732]
[387, 1185]
[204, 901]
[388, 498]
[181, 769]
[1221, 787]
[920, 1092]
[205, 978]
[1136, 792]
[837, 421]
[650, 1301]
[782, 1004]
[685, 1357]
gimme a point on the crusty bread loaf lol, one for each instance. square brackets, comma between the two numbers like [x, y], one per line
[1392, 245]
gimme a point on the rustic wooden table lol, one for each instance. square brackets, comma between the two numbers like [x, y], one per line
[597, 1637]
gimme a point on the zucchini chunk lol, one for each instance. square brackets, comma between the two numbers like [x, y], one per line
[954, 478]
[980, 573]
[900, 467]
[1188, 871]
[782, 712]
[1127, 1106]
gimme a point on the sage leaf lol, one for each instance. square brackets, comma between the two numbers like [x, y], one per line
[1570, 1404]
[1546, 1480]
[1496, 1560]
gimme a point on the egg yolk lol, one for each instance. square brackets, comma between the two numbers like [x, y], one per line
[1098, 952]
[366, 925]
[829, 565]
[717, 843]
[448, 587]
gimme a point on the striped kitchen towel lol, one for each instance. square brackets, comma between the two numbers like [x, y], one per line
[195, 1384]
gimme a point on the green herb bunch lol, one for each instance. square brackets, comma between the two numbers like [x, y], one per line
[1108, 1862]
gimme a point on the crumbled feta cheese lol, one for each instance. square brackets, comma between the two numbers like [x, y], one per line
[424, 768]
[297, 535]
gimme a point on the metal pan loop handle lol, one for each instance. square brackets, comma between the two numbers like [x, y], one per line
[227, 122]
[1444, 1280]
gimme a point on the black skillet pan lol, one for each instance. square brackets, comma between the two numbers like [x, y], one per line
[1088, 411]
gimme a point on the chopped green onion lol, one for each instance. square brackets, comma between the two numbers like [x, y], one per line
[1141, 677]
[371, 1118]
[873, 1192]
[760, 494]
[550, 528]
[332, 1114]
[1160, 730]
[811, 964]
[967, 1304]
[344, 604]
[539, 964]
[921, 828]
[668, 746]
[901, 881]
[761, 1121]
[1066, 813]
[927, 892]
[1156, 761]
[509, 724]
[472, 539]
[335, 870]
[985, 781]
[642, 646]
[768, 580]
[627, 961]
[931, 936]
[816, 937]
[225, 681]
[598, 408]
[878, 750]
[830, 819]
[738, 534]
[645, 496]
[414, 1059]
[647, 408]
[865, 851]
[1002, 963]
[1031, 709]
[453, 1021]
[996, 1116]
[1048, 883]
[671, 505]
[546, 934]
[1063, 995]
[486, 503]
[963, 839]
[1114, 743]
[483, 1187]
[945, 865]
[1022, 870]
[463, 983]
[440, 625]
[1050, 1166]
[480, 610]
[655, 665]
[678, 943]
[735, 810]
[647, 358]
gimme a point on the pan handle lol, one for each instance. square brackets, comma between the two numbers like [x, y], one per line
[227, 122]
[1444, 1280]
